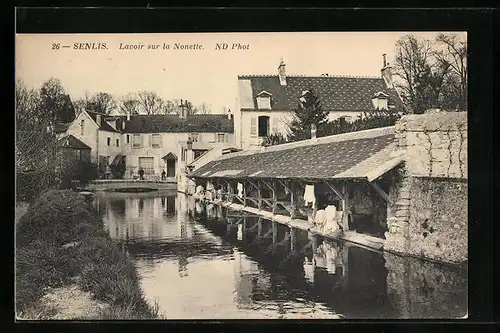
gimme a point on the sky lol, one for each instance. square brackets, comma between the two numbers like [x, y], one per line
[202, 75]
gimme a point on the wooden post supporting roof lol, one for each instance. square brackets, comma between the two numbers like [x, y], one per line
[244, 193]
[293, 199]
[292, 240]
[259, 227]
[259, 193]
[338, 192]
[345, 206]
[275, 231]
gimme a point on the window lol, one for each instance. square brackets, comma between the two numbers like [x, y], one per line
[264, 100]
[137, 141]
[155, 140]
[82, 123]
[221, 137]
[118, 142]
[128, 139]
[264, 103]
[263, 126]
[109, 141]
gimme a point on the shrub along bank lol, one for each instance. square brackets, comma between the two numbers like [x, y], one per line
[59, 241]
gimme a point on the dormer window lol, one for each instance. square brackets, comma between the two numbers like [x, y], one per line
[264, 100]
[379, 100]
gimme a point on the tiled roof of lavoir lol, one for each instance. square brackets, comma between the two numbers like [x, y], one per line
[350, 155]
[70, 141]
[337, 93]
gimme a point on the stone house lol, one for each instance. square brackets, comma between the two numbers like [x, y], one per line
[265, 103]
[150, 142]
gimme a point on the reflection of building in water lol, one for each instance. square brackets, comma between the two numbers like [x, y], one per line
[422, 289]
[309, 269]
[170, 204]
[183, 266]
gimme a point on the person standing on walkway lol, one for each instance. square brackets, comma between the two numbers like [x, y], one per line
[141, 174]
[163, 175]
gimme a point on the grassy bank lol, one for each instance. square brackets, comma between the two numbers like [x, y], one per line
[60, 242]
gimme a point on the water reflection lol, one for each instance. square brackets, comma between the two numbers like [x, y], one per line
[206, 262]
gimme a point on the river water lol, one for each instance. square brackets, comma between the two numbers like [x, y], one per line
[206, 263]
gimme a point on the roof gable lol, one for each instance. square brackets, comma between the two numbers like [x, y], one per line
[69, 141]
[337, 93]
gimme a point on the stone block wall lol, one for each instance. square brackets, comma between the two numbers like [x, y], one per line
[435, 144]
[429, 216]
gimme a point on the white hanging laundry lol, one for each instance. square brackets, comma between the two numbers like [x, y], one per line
[240, 232]
[240, 190]
[309, 195]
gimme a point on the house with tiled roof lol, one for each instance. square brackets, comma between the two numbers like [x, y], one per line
[154, 143]
[266, 103]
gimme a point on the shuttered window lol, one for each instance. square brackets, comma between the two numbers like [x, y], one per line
[253, 127]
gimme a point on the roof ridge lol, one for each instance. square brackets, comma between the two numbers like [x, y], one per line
[314, 76]
[364, 134]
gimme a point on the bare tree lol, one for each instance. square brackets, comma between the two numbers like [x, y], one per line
[35, 140]
[150, 103]
[454, 54]
[171, 107]
[83, 103]
[433, 73]
[129, 104]
[102, 103]
[204, 108]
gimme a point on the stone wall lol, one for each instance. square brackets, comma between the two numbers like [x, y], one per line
[435, 144]
[429, 216]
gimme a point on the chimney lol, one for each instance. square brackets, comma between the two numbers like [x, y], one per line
[98, 119]
[386, 72]
[282, 73]
[313, 131]
[229, 114]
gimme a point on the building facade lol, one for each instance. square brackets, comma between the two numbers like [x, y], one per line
[148, 142]
[266, 103]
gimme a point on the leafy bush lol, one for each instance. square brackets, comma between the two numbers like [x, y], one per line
[274, 139]
[60, 217]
